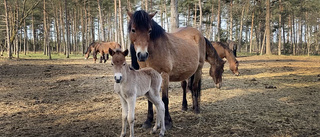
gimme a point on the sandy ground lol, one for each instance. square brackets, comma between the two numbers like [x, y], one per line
[274, 96]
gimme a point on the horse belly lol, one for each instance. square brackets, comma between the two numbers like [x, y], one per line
[185, 66]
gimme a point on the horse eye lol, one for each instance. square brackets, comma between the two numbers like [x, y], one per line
[150, 31]
[133, 30]
[111, 64]
[124, 64]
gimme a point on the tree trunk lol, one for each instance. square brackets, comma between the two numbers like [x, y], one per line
[200, 20]
[67, 29]
[219, 21]
[121, 26]
[279, 29]
[174, 15]
[211, 22]
[294, 35]
[263, 42]
[251, 33]
[268, 37]
[7, 30]
[195, 16]
[101, 23]
[241, 26]
[115, 20]
[33, 34]
[231, 20]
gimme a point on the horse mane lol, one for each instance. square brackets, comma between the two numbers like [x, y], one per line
[212, 52]
[91, 44]
[142, 21]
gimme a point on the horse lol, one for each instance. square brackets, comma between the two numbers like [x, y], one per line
[177, 56]
[130, 84]
[103, 49]
[90, 49]
[224, 52]
[233, 46]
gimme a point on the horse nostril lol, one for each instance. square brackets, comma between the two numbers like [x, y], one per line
[139, 54]
[147, 54]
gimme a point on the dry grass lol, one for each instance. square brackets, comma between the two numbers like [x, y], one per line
[275, 96]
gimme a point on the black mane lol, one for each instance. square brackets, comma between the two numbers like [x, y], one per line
[142, 21]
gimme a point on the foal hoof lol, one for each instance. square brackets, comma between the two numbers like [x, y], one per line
[146, 125]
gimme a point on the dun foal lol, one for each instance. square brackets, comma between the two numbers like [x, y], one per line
[130, 84]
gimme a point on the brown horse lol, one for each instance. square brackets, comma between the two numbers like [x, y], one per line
[224, 52]
[103, 49]
[90, 49]
[233, 46]
[177, 56]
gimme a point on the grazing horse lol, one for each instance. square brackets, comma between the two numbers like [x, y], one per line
[103, 49]
[130, 84]
[233, 46]
[90, 49]
[177, 56]
[224, 52]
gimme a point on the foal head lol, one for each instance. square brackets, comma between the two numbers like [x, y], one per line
[140, 30]
[118, 63]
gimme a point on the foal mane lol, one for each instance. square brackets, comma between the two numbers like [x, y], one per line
[142, 21]
[213, 52]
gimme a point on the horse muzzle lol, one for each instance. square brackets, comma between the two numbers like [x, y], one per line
[142, 56]
[118, 78]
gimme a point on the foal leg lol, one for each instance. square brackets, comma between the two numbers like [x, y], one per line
[105, 60]
[154, 97]
[131, 107]
[124, 116]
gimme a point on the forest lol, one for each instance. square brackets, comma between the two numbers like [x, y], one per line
[289, 27]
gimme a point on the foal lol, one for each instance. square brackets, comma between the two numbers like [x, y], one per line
[131, 84]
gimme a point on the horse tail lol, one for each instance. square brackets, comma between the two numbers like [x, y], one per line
[134, 60]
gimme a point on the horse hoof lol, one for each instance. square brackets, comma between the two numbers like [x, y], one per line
[196, 111]
[169, 125]
[146, 125]
[161, 135]
[184, 108]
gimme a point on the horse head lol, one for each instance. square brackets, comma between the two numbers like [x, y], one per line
[118, 63]
[140, 29]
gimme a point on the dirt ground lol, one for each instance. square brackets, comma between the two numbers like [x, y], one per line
[275, 96]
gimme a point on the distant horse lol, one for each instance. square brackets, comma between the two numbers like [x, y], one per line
[177, 56]
[233, 46]
[90, 49]
[103, 49]
[130, 84]
[224, 52]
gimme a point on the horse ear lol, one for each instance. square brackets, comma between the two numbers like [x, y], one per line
[151, 15]
[126, 52]
[111, 52]
[129, 13]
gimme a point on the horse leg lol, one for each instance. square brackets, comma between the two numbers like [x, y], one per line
[147, 123]
[184, 98]
[165, 99]
[105, 60]
[131, 108]
[101, 57]
[124, 116]
[196, 90]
